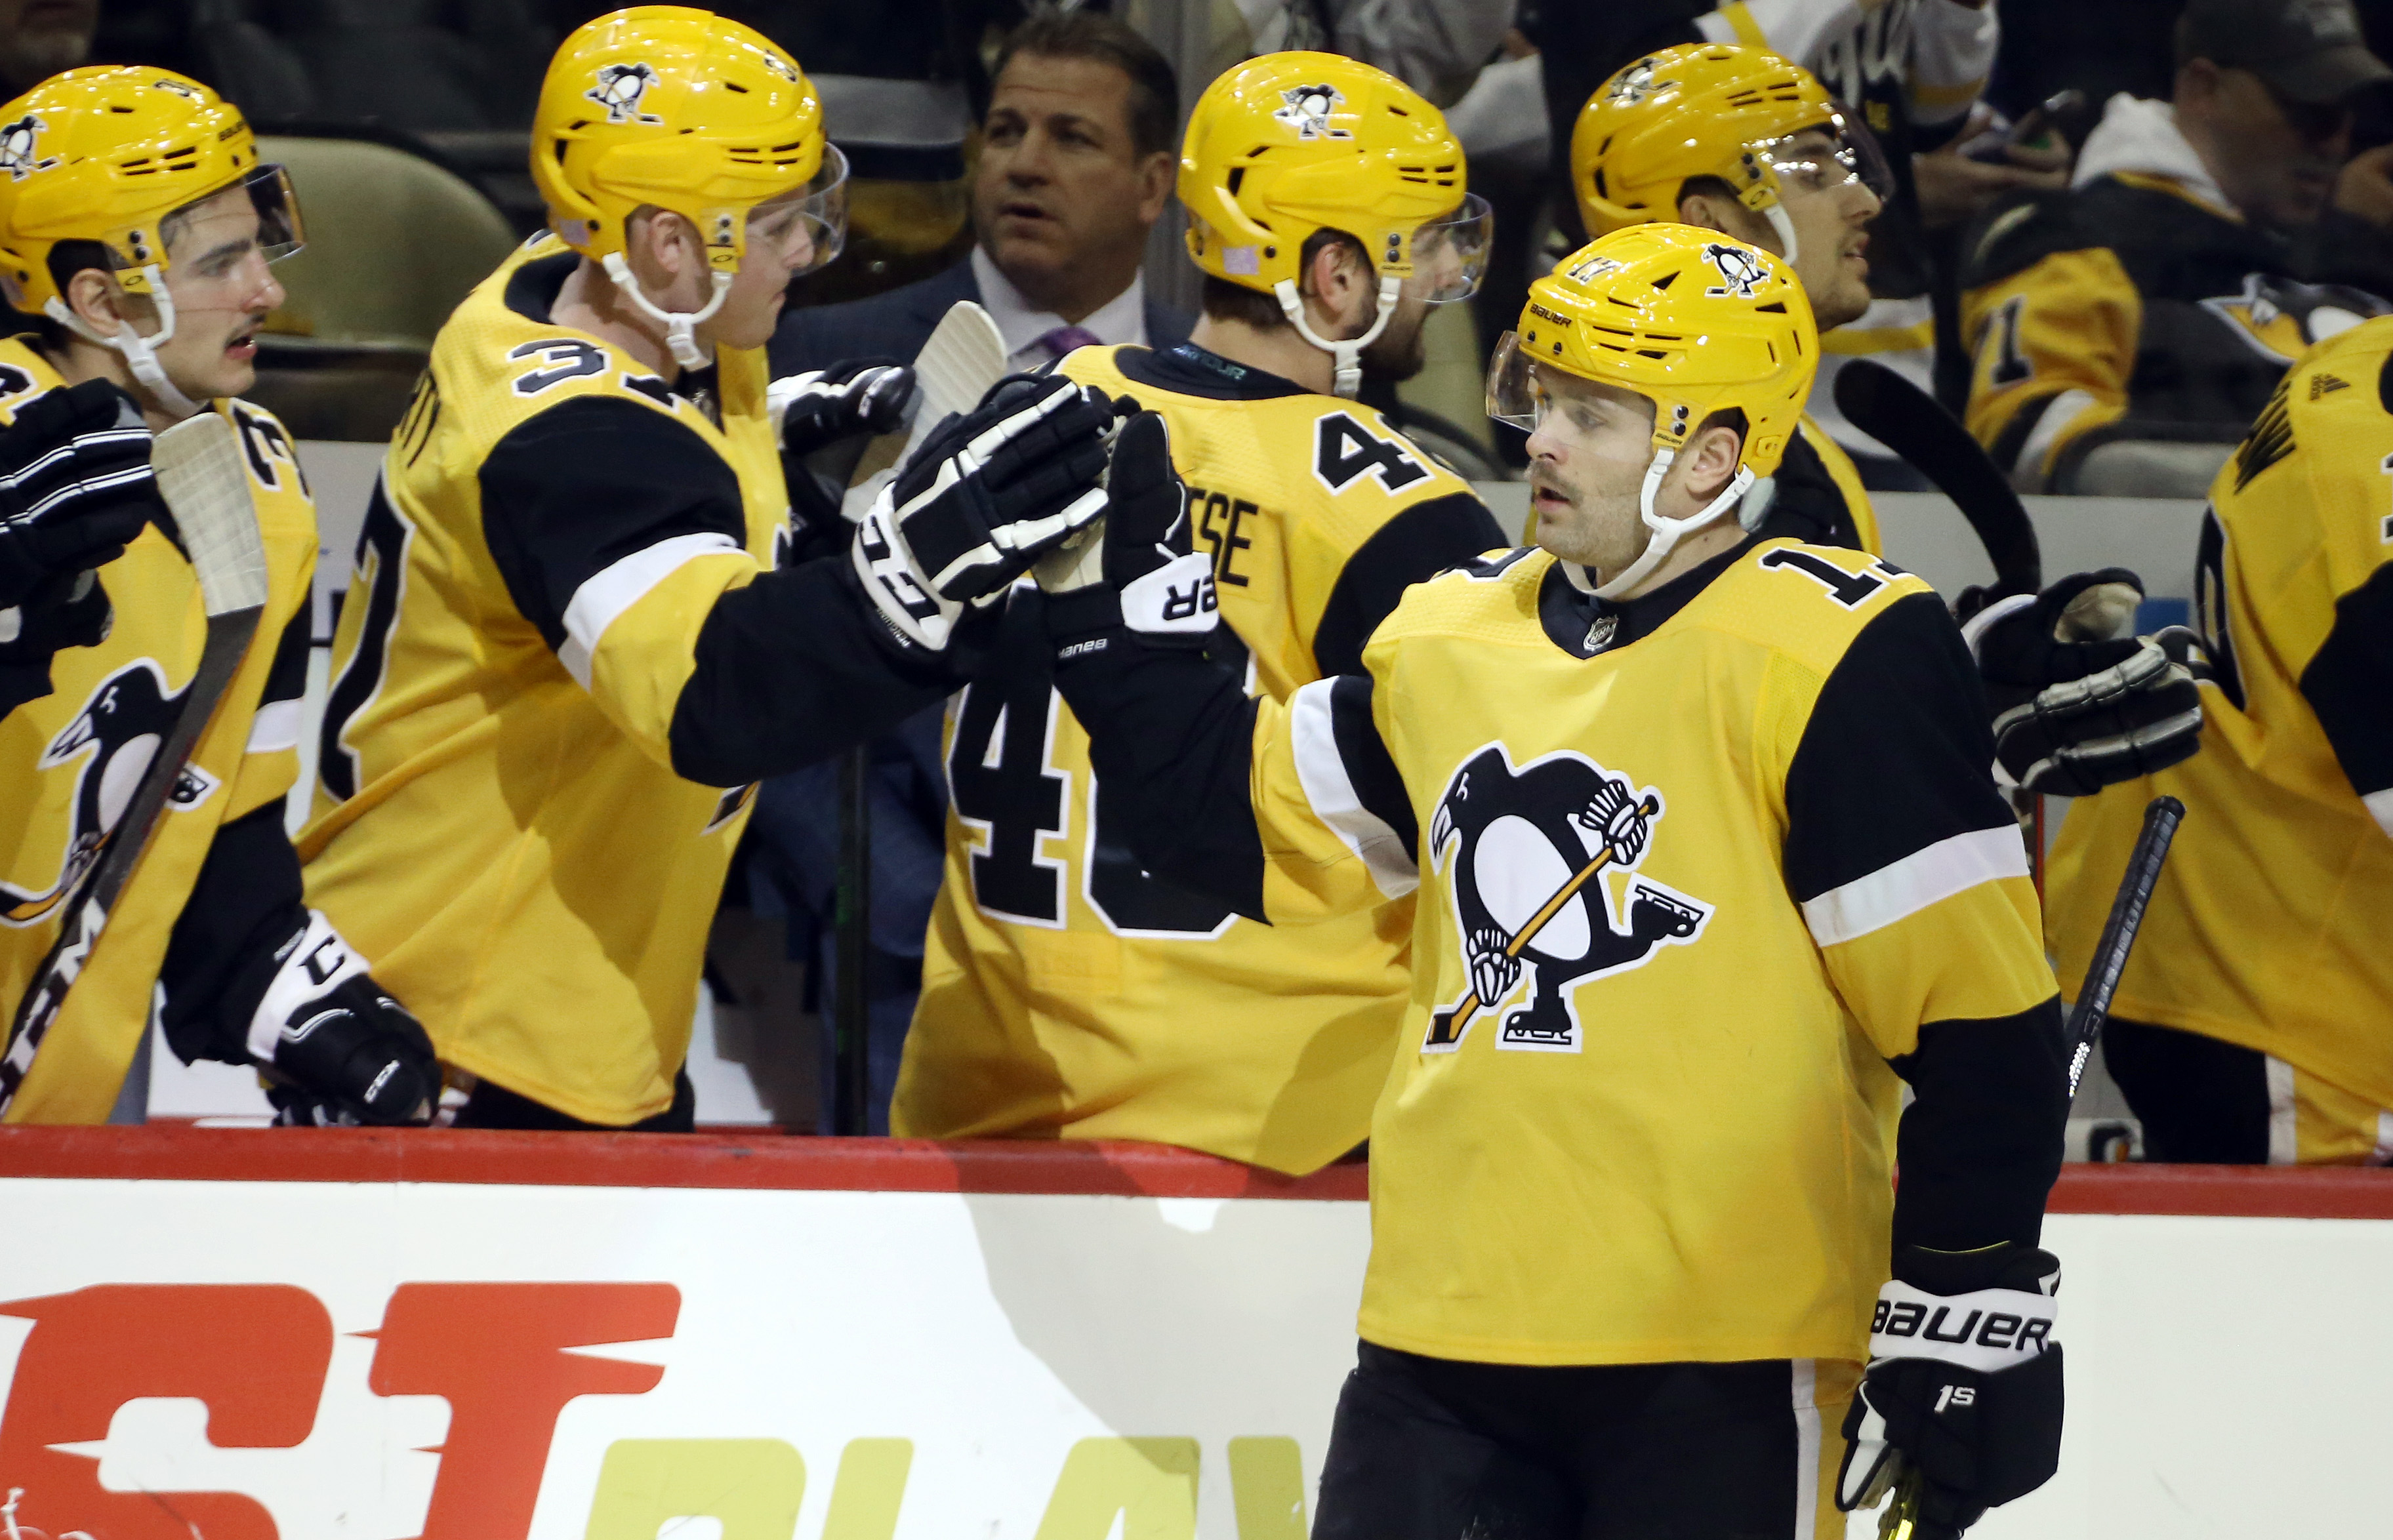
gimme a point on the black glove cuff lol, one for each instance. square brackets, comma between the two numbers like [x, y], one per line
[1082, 616]
[2005, 1265]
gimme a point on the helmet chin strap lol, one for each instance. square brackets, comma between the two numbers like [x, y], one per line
[1348, 353]
[1668, 532]
[1776, 214]
[140, 353]
[680, 326]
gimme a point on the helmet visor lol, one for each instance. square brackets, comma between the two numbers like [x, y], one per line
[1837, 153]
[217, 247]
[1450, 254]
[1605, 420]
[806, 227]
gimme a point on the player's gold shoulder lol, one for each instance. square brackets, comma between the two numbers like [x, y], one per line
[25, 374]
[1496, 590]
[2343, 374]
[1808, 601]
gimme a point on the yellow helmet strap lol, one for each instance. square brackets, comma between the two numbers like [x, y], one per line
[681, 326]
[1668, 532]
[1348, 352]
[140, 353]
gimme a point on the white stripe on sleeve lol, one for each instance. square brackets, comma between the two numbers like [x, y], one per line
[1905, 887]
[605, 596]
[1322, 772]
[276, 726]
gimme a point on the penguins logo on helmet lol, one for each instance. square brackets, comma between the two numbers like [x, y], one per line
[1635, 84]
[1307, 111]
[18, 142]
[1741, 276]
[619, 90]
[1533, 849]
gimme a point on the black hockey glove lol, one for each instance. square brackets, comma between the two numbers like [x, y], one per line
[854, 398]
[1963, 1388]
[987, 495]
[1139, 570]
[2077, 705]
[334, 1047]
[76, 486]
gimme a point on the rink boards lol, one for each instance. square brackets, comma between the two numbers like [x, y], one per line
[481, 1336]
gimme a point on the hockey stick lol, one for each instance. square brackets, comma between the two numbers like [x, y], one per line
[1907, 420]
[1447, 1027]
[207, 487]
[2161, 816]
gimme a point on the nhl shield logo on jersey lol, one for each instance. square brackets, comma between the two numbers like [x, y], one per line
[119, 731]
[1307, 110]
[1741, 276]
[19, 142]
[619, 90]
[1532, 850]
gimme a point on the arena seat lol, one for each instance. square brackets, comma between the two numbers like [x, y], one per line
[394, 241]
[2145, 458]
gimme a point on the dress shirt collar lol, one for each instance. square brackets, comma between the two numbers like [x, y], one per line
[1120, 319]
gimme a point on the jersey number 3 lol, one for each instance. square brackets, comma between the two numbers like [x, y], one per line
[1001, 770]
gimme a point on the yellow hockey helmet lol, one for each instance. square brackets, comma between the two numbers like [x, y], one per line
[1292, 143]
[683, 110]
[1711, 110]
[1690, 320]
[107, 154]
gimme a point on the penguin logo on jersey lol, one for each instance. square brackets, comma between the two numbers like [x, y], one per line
[619, 90]
[2281, 320]
[1307, 110]
[1533, 849]
[1741, 272]
[18, 142]
[119, 731]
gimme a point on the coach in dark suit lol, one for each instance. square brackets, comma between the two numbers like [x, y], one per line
[1076, 165]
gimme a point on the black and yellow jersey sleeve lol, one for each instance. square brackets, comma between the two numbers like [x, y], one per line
[2266, 926]
[2051, 349]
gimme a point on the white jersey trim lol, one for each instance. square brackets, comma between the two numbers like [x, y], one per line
[1322, 772]
[599, 601]
[1807, 1448]
[277, 726]
[2380, 807]
[1926, 876]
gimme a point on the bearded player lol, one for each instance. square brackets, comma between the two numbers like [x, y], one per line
[1067, 991]
[137, 225]
[1709, 861]
[571, 652]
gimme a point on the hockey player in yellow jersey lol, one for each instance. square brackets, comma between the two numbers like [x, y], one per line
[1065, 991]
[570, 651]
[1709, 860]
[2255, 1021]
[137, 225]
[1738, 139]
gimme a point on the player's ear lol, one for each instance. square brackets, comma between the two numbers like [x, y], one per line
[96, 301]
[1712, 459]
[1702, 210]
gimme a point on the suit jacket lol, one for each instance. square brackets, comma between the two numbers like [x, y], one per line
[897, 324]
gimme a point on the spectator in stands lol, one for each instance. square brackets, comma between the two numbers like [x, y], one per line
[38, 38]
[1075, 164]
[2166, 290]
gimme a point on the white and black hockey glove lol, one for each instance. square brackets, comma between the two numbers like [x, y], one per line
[988, 494]
[855, 398]
[1963, 1388]
[1143, 558]
[75, 487]
[334, 1047]
[2078, 704]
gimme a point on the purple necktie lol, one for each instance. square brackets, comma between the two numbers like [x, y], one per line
[1064, 338]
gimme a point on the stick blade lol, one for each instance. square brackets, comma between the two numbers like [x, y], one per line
[202, 479]
[963, 359]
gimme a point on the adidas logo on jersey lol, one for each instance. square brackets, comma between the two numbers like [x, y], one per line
[1533, 847]
[2321, 385]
